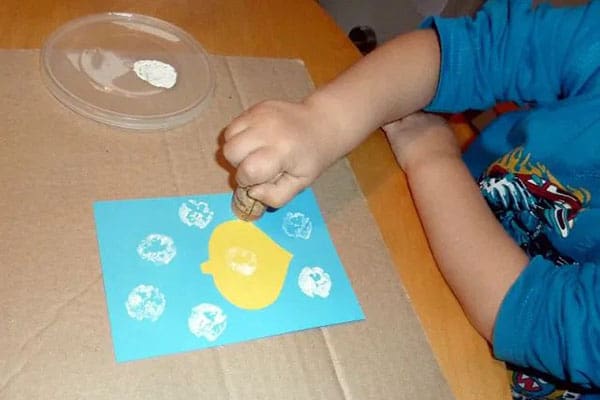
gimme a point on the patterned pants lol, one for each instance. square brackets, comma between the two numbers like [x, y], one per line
[527, 386]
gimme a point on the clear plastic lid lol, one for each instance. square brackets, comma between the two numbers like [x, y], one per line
[128, 70]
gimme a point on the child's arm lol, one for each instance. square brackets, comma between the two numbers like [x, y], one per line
[292, 143]
[549, 318]
[537, 315]
[478, 259]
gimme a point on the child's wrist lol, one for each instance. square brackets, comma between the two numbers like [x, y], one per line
[444, 161]
[344, 128]
[333, 133]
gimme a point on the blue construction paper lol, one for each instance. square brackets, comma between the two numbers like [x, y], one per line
[150, 293]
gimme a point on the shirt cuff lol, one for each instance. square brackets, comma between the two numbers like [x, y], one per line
[454, 88]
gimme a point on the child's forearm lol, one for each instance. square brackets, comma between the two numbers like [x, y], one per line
[393, 81]
[476, 256]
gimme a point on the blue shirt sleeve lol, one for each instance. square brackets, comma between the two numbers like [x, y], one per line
[512, 52]
[550, 321]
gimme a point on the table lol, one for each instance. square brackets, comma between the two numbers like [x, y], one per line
[301, 29]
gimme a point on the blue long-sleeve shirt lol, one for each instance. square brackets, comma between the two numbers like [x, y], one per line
[539, 169]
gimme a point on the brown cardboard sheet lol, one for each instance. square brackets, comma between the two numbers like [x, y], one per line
[54, 333]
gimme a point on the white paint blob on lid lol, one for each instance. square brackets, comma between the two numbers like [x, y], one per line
[156, 73]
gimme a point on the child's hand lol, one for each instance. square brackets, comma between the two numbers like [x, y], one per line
[280, 148]
[419, 138]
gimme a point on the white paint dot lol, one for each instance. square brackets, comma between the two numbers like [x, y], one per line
[314, 281]
[158, 249]
[195, 213]
[145, 302]
[156, 73]
[297, 225]
[207, 321]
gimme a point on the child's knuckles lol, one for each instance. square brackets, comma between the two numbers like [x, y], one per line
[247, 174]
[236, 126]
[271, 104]
[255, 171]
[251, 171]
[284, 144]
[274, 124]
[264, 108]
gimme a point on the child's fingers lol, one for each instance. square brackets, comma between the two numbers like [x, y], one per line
[238, 125]
[241, 145]
[279, 193]
[260, 166]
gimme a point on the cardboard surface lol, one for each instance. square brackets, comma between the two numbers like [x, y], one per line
[54, 331]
